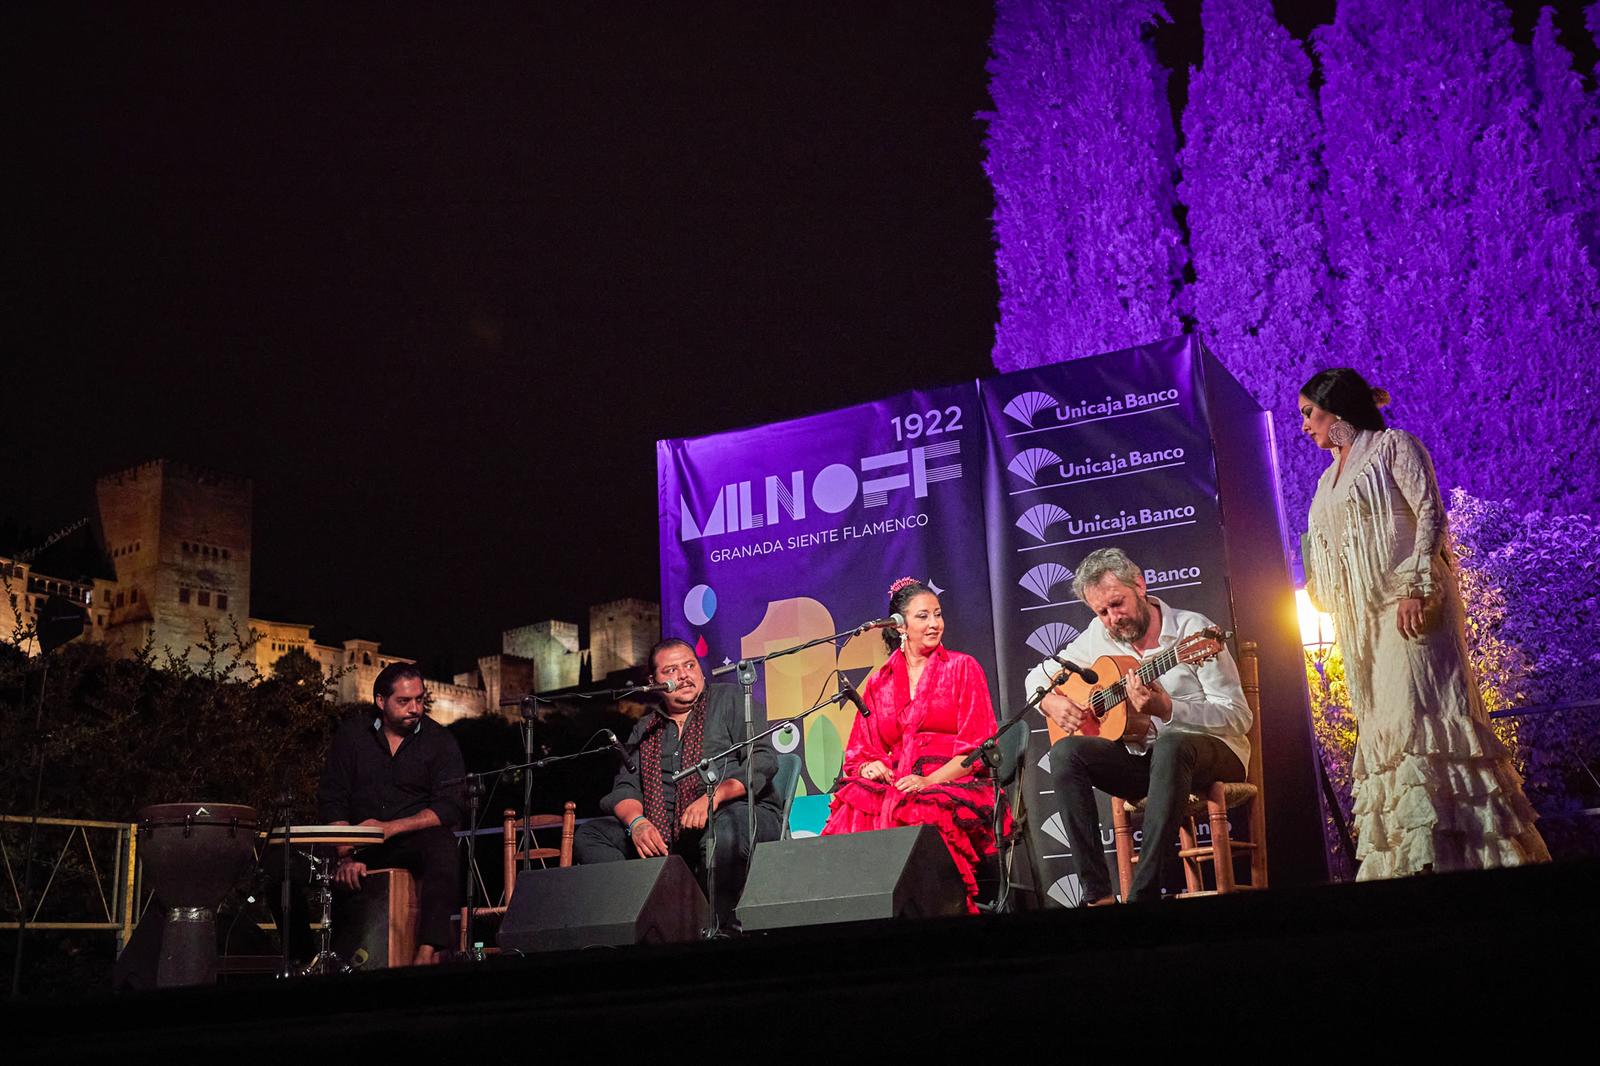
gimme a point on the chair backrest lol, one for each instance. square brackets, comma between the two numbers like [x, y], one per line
[786, 784]
[1250, 681]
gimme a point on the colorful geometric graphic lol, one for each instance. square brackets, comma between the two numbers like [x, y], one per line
[700, 605]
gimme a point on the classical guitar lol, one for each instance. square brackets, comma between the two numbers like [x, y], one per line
[1107, 698]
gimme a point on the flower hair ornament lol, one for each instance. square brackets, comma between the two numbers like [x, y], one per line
[902, 583]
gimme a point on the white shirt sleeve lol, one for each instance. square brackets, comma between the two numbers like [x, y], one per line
[1219, 707]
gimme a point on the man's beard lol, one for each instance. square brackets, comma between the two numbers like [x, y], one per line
[1132, 629]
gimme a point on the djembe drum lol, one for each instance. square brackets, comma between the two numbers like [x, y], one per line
[193, 853]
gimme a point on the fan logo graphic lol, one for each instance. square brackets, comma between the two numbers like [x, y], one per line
[1042, 579]
[1027, 464]
[832, 490]
[1036, 521]
[1052, 637]
[1025, 407]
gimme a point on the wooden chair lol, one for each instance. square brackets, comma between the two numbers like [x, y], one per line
[567, 820]
[1219, 799]
[511, 826]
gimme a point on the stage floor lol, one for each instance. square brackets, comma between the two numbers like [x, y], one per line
[1460, 961]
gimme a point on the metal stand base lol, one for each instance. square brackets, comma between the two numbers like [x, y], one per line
[326, 960]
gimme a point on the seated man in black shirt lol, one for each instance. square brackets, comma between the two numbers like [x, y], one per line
[651, 816]
[400, 770]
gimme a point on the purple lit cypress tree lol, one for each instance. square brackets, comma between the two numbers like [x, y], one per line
[1080, 152]
[1569, 130]
[1460, 289]
[1251, 180]
[1591, 19]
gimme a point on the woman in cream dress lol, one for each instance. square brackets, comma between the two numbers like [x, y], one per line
[1433, 788]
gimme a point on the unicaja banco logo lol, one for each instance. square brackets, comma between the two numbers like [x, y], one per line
[767, 501]
[1051, 637]
[1028, 404]
[1027, 464]
[1036, 521]
[1042, 580]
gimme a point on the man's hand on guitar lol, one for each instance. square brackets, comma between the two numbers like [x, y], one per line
[1145, 699]
[1066, 713]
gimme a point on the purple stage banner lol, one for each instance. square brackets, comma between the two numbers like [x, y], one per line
[1110, 451]
[778, 534]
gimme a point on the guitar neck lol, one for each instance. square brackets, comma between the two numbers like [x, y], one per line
[1148, 671]
[1154, 668]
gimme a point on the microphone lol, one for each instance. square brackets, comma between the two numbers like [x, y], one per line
[622, 753]
[659, 686]
[895, 621]
[1082, 671]
[847, 691]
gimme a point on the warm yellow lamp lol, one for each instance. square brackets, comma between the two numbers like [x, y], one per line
[1316, 628]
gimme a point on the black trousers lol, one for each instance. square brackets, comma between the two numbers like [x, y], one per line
[606, 840]
[1176, 765]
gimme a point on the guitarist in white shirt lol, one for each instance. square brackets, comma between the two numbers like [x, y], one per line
[1186, 728]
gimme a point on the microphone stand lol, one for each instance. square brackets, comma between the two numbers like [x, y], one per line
[524, 837]
[707, 771]
[474, 784]
[528, 707]
[989, 754]
[747, 680]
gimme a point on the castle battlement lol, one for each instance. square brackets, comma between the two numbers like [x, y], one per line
[202, 475]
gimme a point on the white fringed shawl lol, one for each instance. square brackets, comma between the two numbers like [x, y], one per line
[1374, 537]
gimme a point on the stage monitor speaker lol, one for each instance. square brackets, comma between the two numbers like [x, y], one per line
[641, 901]
[888, 873]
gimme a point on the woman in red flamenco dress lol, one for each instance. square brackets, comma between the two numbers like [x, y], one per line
[902, 766]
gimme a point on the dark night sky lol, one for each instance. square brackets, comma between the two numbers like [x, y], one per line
[437, 278]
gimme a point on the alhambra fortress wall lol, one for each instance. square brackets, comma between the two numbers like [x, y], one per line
[179, 539]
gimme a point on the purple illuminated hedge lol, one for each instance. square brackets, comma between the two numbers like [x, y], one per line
[1423, 217]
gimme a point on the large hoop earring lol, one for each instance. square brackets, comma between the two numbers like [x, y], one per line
[1341, 434]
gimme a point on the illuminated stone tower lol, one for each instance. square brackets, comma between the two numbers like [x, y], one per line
[551, 647]
[179, 537]
[621, 634]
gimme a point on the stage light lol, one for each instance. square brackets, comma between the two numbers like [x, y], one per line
[1316, 627]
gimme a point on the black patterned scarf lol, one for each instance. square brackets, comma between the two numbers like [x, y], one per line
[691, 746]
